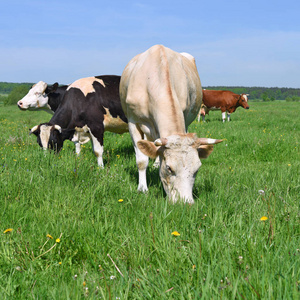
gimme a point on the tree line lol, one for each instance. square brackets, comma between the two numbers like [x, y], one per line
[11, 93]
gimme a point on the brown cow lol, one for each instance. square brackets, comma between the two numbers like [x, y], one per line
[225, 101]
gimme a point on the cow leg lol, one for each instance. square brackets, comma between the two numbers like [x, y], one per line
[98, 149]
[77, 148]
[203, 118]
[141, 159]
[223, 116]
[228, 117]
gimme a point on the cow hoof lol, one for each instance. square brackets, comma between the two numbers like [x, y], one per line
[142, 189]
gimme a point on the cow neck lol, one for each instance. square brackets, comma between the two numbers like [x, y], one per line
[240, 96]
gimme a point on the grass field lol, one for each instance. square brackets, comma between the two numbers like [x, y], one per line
[83, 232]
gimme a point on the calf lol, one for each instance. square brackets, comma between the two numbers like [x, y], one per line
[89, 107]
[225, 101]
[161, 94]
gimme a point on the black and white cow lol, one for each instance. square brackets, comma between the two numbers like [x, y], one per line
[41, 96]
[89, 107]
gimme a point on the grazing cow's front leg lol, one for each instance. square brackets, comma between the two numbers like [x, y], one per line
[223, 116]
[228, 117]
[77, 148]
[98, 149]
[141, 159]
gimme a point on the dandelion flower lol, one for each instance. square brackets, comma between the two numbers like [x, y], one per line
[289, 165]
[118, 156]
[57, 240]
[49, 236]
[120, 200]
[175, 233]
[264, 218]
[59, 263]
[8, 230]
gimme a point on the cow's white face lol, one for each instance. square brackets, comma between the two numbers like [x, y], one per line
[35, 98]
[179, 162]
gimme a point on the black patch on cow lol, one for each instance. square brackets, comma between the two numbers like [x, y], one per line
[55, 95]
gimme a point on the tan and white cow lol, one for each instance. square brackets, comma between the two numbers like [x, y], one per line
[161, 94]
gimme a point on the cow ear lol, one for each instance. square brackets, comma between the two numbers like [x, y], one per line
[67, 134]
[205, 150]
[54, 86]
[148, 148]
[51, 89]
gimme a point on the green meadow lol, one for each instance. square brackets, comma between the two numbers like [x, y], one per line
[70, 230]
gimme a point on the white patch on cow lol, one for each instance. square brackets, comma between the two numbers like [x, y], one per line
[45, 135]
[36, 98]
[86, 85]
[245, 97]
[112, 124]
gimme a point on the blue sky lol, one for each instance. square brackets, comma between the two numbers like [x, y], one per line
[235, 43]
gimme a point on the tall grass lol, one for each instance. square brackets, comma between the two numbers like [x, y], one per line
[117, 243]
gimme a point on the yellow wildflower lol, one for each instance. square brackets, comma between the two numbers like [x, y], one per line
[57, 240]
[59, 263]
[120, 200]
[118, 156]
[175, 233]
[289, 165]
[264, 218]
[49, 236]
[8, 230]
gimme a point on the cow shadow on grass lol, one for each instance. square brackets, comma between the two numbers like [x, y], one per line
[203, 186]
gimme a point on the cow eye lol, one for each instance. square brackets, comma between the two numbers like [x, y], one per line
[169, 169]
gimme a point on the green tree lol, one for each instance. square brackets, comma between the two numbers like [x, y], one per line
[265, 97]
[16, 94]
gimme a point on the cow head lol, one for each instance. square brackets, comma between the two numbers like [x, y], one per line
[243, 101]
[51, 136]
[37, 97]
[179, 162]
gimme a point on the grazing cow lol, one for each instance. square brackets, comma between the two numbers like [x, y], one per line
[43, 97]
[225, 101]
[90, 106]
[160, 92]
